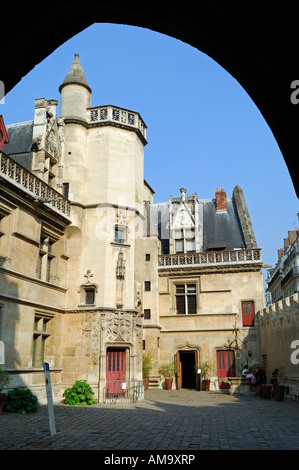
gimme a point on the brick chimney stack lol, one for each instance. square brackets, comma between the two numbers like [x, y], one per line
[220, 200]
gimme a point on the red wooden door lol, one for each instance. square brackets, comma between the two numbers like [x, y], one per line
[115, 371]
[226, 366]
[248, 313]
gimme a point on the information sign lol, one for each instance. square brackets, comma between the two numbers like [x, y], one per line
[49, 399]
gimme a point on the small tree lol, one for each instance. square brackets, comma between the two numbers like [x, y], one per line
[146, 365]
[205, 369]
[167, 369]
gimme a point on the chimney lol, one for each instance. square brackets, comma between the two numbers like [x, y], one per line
[220, 200]
[183, 194]
[292, 236]
[286, 242]
[280, 252]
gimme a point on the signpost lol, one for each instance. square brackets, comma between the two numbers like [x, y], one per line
[49, 399]
[198, 379]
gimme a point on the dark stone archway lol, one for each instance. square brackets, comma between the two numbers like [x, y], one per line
[255, 44]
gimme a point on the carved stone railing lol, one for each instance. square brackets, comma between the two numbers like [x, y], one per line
[120, 116]
[209, 258]
[23, 179]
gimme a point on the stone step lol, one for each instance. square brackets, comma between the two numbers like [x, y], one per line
[154, 381]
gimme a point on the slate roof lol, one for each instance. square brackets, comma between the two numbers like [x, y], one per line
[220, 228]
[20, 141]
[75, 75]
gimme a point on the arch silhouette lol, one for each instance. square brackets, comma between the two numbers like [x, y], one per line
[257, 47]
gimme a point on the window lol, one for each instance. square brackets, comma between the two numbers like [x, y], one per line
[48, 273]
[186, 299]
[248, 313]
[89, 296]
[39, 266]
[185, 241]
[147, 313]
[65, 189]
[40, 334]
[88, 290]
[179, 246]
[45, 258]
[147, 257]
[147, 286]
[119, 234]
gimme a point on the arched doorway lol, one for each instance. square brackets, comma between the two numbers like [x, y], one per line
[186, 361]
[115, 371]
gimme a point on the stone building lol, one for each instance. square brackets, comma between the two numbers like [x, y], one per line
[283, 278]
[279, 321]
[94, 273]
[209, 281]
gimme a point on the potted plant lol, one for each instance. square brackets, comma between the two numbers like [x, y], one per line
[146, 369]
[4, 382]
[266, 390]
[278, 388]
[167, 370]
[205, 368]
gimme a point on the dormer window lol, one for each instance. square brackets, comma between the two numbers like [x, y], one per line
[185, 240]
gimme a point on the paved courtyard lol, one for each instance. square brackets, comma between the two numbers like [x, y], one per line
[177, 420]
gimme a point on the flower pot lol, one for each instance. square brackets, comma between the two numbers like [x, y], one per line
[168, 383]
[145, 383]
[206, 384]
[2, 400]
[266, 391]
[278, 392]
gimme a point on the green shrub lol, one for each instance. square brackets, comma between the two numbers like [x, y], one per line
[79, 394]
[4, 379]
[21, 401]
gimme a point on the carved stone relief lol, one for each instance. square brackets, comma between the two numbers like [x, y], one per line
[120, 326]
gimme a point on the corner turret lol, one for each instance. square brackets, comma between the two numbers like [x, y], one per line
[75, 93]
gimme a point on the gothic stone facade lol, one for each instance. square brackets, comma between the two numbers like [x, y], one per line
[94, 273]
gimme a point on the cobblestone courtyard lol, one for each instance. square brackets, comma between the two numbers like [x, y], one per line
[177, 420]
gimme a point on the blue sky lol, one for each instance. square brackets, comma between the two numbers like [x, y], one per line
[204, 131]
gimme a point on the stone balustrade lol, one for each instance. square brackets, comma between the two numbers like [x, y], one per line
[23, 179]
[216, 258]
[118, 116]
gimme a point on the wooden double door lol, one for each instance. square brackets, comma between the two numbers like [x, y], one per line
[115, 371]
[226, 366]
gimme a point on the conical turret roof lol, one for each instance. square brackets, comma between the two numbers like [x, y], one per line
[75, 75]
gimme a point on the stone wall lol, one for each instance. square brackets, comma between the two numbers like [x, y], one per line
[279, 332]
